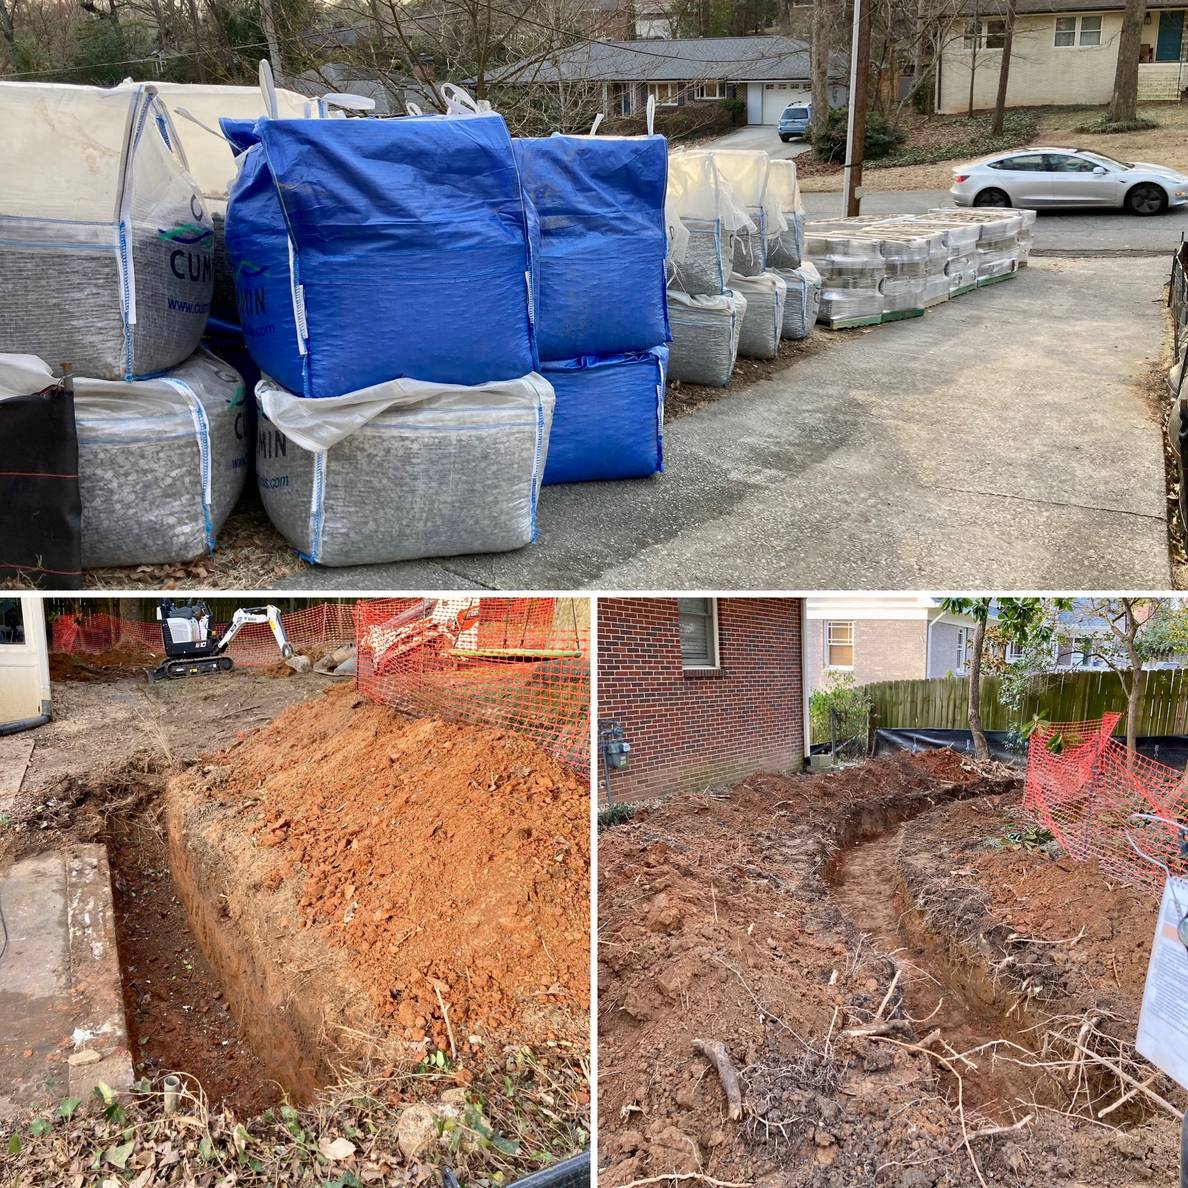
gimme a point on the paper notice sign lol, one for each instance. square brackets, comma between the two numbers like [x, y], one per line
[1163, 1021]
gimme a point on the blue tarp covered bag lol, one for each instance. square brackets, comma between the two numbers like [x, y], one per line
[603, 240]
[371, 250]
[608, 422]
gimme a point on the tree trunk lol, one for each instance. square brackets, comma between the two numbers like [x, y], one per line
[196, 31]
[1004, 71]
[981, 747]
[1134, 689]
[1124, 101]
[821, 37]
[274, 54]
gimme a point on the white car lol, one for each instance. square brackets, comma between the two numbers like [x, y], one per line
[1039, 177]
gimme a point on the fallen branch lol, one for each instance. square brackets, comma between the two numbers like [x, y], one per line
[988, 1131]
[717, 1055]
[869, 1030]
[887, 996]
[1126, 1078]
[1129, 1094]
[686, 1176]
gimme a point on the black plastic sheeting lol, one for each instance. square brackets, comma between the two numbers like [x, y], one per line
[570, 1173]
[39, 494]
[1171, 749]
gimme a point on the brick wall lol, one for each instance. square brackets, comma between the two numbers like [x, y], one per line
[689, 729]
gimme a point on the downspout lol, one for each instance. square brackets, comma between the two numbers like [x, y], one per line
[928, 642]
[26, 723]
[806, 739]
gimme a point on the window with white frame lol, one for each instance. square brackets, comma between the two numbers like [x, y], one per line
[710, 90]
[699, 632]
[1073, 30]
[839, 645]
[12, 622]
[964, 641]
[984, 35]
[666, 94]
[627, 101]
[1014, 653]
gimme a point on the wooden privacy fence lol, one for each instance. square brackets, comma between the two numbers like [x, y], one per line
[941, 704]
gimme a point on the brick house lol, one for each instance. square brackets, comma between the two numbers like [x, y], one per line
[708, 690]
[883, 638]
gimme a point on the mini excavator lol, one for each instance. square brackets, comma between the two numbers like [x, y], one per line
[194, 646]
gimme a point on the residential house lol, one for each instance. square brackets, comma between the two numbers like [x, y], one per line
[24, 660]
[883, 638]
[1083, 638]
[1064, 51]
[767, 72]
[707, 690]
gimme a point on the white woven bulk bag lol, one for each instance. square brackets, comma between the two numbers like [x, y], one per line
[785, 249]
[404, 469]
[705, 330]
[763, 320]
[744, 173]
[105, 241]
[802, 301]
[703, 221]
[161, 462]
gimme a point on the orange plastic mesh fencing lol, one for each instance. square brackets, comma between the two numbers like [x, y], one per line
[518, 663]
[1083, 788]
[315, 629]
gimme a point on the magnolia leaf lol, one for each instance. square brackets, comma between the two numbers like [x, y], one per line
[335, 1150]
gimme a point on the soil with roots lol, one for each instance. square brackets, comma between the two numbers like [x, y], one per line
[907, 1000]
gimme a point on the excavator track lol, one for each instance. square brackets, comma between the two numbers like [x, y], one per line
[172, 670]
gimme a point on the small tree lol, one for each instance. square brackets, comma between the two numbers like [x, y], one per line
[1019, 621]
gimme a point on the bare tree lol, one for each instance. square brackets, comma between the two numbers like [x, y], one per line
[1123, 106]
[820, 48]
[1004, 71]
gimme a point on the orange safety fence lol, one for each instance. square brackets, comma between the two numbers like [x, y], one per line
[522, 664]
[1084, 788]
[318, 628]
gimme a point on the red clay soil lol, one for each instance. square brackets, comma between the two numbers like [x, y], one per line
[438, 858]
[128, 660]
[730, 919]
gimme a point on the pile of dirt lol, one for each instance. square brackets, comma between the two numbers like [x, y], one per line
[127, 660]
[445, 866]
[761, 920]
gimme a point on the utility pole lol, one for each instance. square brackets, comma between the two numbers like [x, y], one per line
[856, 124]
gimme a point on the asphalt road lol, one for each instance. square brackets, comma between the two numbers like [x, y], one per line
[1003, 441]
[1057, 232]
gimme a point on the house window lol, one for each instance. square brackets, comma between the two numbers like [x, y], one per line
[12, 622]
[627, 101]
[1071, 30]
[667, 94]
[1014, 653]
[984, 35]
[699, 632]
[710, 90]
[839, 645]
[964, 643]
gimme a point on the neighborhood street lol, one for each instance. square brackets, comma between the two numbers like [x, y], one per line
[1005, 439]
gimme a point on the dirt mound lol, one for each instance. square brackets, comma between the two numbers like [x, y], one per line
[129, 659]
[448, 864]
[721, 920]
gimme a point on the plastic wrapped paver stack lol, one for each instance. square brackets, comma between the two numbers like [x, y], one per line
[936, 257]
[1026, 235]
[602, 314]
[705, 312]
[905, 261]
[852, 272]
[961, 250]
[998, 238]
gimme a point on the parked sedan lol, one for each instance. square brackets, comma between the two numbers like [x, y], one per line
[1039, 177]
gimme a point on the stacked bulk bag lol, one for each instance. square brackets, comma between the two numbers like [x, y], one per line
[404, 469]
[608, 422]
[705, 333]
[852, 272]
[763, 318]
[105, 241]
[802, 302]
[703, 222]
[161, 462]
[744, 172]
[785, 248]
[600, 204]
[371, 250]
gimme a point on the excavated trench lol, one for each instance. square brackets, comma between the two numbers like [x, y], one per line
[945, 988]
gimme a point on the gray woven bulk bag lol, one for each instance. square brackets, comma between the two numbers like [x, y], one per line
[105, 242]
[404, 469]
[802, 301]
[709, 251]
[705, 330]
[750, 245]
[161, 462]
[763, 320]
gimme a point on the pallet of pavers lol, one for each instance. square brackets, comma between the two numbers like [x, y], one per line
[852, 272]
[999, 247]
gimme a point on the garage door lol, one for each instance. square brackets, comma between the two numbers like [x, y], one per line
[777, 97]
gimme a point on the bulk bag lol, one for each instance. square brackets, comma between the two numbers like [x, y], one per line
[211, 159]
[744, 173]
[161, 462]
[600, 202]
[371, 250]
[786, 247]
[703, 220]
[105, 242]
[609, 419]
[705, 330]
[38, 477]
[802, 300]
[404, 469]
[763, 320]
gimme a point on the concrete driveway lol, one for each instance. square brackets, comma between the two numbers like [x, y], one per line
[760, 136]
[1003, 441]
[1057, 232]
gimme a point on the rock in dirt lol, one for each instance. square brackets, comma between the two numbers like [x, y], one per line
[416, 1131]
